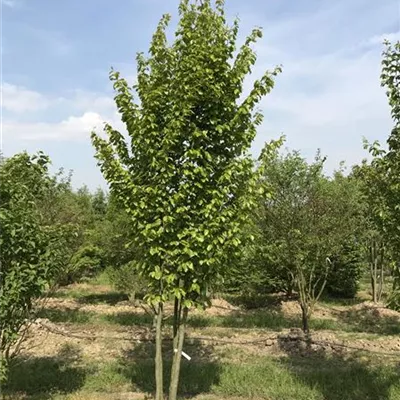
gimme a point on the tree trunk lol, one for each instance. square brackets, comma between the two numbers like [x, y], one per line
[289, 292]
[159, 360]
[373, 288]
[177, 319]
[381, 272]
[304, 318]
[176, 361]
[373, 267]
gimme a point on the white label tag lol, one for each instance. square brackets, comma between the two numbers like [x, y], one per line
[186, 356]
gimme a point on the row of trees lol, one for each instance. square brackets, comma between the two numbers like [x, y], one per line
[189, 210]
[50, 235]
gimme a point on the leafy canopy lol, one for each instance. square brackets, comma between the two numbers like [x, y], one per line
[184, 173]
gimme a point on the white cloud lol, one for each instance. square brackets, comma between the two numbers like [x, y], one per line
[327, 97]
[83, 100]
[10, 3]
[71, 129]
[79, 113]
[328, 101]
[19, 99]
[379, 39]
[344, 89]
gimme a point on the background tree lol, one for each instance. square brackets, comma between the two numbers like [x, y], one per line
[305, 224]
[185, 177]
[31, 250]
[348, 265]
[390, 79]
[371, 179]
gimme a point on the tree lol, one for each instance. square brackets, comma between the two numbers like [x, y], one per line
[99, 203]
[31, 250]
[382, 186]
[371, 179]
[346, 270]
[185, 176]
[304, 223]
[390, 79]
[349, 263]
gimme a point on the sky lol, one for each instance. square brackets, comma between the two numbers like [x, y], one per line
[56, 56]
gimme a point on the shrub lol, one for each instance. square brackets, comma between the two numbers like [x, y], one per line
[126, 279]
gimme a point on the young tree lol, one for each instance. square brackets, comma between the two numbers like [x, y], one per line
[31, 251]
[382, 184]
[390, 79]
[99, 204]
[304, 224]
[186, 174]
[370, 177]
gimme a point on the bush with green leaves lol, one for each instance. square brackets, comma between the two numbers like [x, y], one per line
[127, 280]
[31, 251]
[303, 224]
[346, 270]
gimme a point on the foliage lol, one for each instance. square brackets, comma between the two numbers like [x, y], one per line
[126, 279]
[390, 79]
[85, 262]
[381, 184]
[304, 224]
[346, 271]
[32, 251]
[112, 234]
[185, 176]
[370, 178]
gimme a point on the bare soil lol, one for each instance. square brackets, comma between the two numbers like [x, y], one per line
[107, 341]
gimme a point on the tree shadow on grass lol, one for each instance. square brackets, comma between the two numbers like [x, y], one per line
[111, 298]
[251, 301]
[129, 318]
[66, 315]
[340, 375]
[42, 377]
[197, 375]
[370, 320]
[262, 319]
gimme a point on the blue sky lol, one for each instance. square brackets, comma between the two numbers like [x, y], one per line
[57, 54]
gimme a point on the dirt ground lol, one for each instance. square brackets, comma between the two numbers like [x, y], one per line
[97, 341]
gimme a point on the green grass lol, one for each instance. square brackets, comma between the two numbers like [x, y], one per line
[352, 321]
[288, 378]
[93, 318]
[103, 278]
[106, 378]
[68, 316]
[348, 322]
[217, 372]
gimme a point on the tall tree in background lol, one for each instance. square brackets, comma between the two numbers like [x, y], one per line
[390, 79]
[32, 248]
[371, 178]
[186, 174]
[303, 224]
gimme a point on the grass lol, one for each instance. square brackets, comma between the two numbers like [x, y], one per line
[288, 378]
[42, 377]
[93, 318]
[214, 372]
[348, 321]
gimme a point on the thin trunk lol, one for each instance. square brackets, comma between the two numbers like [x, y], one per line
[373, 287]
[159, 360]
[372, 268]
[381, 272]
[177, 319]
[289, 292]
[375, 278]
[304, 318]
[176, 361]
